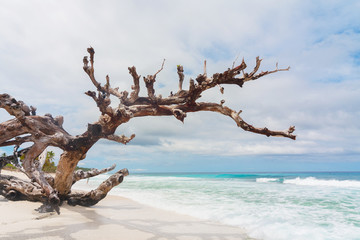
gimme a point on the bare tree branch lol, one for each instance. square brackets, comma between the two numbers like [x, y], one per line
[205, 73]
[136, 87]
[120, 139]
[233, 65]
[16, 108]
[94, 196]
[80, 174]
[180, 72]
[181, 110]
[149, 83]
[162, 67]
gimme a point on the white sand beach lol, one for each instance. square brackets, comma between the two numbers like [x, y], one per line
[113, 218]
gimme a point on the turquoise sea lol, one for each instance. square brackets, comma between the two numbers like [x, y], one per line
[269, 206]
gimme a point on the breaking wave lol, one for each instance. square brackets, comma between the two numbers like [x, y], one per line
[264, 180]
[312, 181]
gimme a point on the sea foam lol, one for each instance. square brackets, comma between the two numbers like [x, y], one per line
[268, 206]
[263, 180]
[312, 181]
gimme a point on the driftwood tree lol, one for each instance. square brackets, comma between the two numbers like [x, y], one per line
[44, 131]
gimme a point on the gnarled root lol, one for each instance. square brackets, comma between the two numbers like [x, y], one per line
[15, 189]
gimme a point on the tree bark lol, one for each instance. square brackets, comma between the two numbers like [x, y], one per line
[65, 171]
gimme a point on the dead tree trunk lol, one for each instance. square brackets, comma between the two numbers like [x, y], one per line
[44, 131]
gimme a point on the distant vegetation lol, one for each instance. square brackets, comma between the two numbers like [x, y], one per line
[8, 166]
[49, 165]
[83, 168]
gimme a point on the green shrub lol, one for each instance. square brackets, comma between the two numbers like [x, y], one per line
[49, 165]
[9, 166]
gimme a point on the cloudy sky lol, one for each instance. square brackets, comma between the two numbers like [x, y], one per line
[42, 44]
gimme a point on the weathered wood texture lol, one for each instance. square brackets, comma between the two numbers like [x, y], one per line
[44, 131]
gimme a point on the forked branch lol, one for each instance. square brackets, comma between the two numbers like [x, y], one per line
[185, 101]
[149, 83]
[94, 196]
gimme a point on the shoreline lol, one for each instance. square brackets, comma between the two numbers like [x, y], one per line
[114, 217]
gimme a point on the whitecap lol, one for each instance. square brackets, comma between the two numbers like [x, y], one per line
[312, 181]
[264, 180]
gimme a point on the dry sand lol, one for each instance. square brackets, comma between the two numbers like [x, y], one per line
[112, 218]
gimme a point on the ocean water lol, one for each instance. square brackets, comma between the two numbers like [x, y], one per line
[269, 206]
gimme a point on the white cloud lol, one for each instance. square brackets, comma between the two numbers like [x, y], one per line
[41, 63]
[232, 148]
